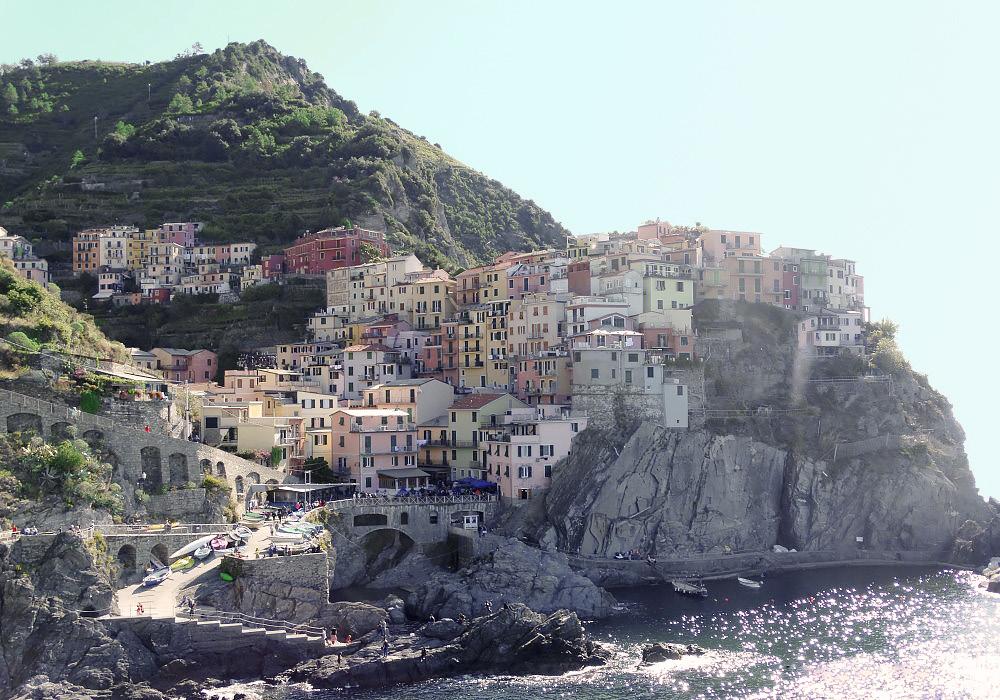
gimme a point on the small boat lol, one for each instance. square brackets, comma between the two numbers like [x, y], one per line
[219, 543]
[182, 564]
[203, 552]
[156, 577]
[695, 590]
[154, 566]
[240, 532]
[287, 537]
[749, 582]
[192, 546]
[226, 577]
[295, 528]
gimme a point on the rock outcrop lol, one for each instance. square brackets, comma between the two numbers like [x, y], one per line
[514, 573]
[804, 453]
[666, 651]
[512, 640]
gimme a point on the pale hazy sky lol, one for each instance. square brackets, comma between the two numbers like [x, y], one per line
[867, 130]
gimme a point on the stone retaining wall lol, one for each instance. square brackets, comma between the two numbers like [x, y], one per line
[294, 588]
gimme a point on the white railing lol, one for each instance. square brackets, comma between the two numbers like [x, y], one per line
[251, 621]
[363, 501]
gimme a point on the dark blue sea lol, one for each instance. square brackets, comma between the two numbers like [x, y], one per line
[868, 632]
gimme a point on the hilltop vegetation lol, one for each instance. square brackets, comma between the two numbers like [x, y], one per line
[33, 318]
[251, 142]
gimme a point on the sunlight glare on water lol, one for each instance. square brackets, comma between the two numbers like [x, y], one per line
[856, 633]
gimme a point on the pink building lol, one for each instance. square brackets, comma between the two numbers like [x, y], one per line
[791, 283]
[182, 233]
[522, 451]
[378, 446]
[718, 245]
[179, 365]
[524, 279]
[272, 266]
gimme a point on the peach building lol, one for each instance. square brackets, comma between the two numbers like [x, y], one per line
[523, 449]
[377, 446]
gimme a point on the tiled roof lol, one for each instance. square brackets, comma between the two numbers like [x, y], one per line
[473, 401]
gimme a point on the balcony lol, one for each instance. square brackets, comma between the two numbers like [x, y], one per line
[389, 450]
[399, 428]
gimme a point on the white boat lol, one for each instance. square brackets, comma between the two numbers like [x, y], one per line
[156, 577]
[240, 532]
[192, 546]
[203, 552]
[688, 588]
[287, 537]
[749, 582]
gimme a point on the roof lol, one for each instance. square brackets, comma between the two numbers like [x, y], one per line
[410, 473]
[472, 401]
[180, 351]
[372, 347]
[370, 411]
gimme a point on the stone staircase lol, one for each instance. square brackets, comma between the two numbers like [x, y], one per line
[219, 636]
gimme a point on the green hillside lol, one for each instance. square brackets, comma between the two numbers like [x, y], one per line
[251, 142]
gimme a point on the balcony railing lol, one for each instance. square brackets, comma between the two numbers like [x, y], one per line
[398, 428]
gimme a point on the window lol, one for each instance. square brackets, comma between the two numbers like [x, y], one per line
[649, 372]
[680, 286]
[548, 471]
[595, 373]
[433, 517]
[628, 376]
[680, 390]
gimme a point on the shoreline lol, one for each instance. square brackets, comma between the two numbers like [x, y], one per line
[611, 574]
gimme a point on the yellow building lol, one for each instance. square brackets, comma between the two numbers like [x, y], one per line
[497, 365]
[424, 298]
[667, 286]
[138, 247]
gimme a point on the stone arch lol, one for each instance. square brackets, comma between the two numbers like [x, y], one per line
[127, 556]
[404, 518]
[93, 436]
[239, 484]
[152, 466]
[220, 468]
[61, 430]
[384, 548]
[161, 553]
[24, 422]
[178, 462]
[253, 478]
[206, 466]
[370, 520]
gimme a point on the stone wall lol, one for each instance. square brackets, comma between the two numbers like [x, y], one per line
[294, 588]
[424, 523]
[186, 505]
[132, 452]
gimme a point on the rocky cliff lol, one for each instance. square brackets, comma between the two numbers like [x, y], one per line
[809, 454]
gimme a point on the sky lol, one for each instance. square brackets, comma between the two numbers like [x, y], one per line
[864, 130]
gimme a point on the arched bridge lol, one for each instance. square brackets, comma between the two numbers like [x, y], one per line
[133, 452]
[424, 519]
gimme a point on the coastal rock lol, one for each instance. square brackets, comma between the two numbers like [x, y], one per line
[511, 640]
[356, 619]
[664, 651]
[445, 630]
[396, 607]
[513, 573]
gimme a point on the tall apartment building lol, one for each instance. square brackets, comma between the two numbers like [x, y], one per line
[332, 248]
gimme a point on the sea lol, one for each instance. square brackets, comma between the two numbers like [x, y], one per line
[849, 632]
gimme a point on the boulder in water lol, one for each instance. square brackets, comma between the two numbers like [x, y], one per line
[665, 651]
